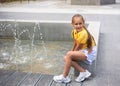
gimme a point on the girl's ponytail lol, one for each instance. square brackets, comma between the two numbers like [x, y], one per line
[89, 40]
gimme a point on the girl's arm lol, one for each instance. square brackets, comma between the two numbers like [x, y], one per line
[76, 46]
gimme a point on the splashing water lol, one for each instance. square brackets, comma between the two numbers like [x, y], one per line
[27, 50]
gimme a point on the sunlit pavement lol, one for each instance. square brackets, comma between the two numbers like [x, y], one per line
[60, 6]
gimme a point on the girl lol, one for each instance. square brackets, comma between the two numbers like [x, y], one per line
[84, 48]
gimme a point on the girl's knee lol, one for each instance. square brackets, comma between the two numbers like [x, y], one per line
[68, 55]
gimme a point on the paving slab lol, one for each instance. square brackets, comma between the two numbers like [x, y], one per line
[4, 75]
[31, 80]
[45, 80]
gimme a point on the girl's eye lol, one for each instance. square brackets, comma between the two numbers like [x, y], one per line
[78, 23]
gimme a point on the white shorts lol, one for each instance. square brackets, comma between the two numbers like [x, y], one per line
[92, 56]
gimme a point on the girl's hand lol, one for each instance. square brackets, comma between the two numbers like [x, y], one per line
[78, 47]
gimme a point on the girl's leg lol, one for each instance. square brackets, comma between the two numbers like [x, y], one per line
[77, 66]
[74, 57]
[70, 59]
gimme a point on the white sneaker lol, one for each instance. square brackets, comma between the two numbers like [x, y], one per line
[61, 79]
[82, 76]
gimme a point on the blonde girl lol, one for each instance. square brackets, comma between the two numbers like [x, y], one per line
[84, 48]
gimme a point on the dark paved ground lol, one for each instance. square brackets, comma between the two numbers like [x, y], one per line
[15, 78]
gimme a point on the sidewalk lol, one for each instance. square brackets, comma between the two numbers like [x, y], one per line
[59, 6]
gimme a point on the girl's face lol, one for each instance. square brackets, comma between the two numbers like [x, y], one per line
[78, 23]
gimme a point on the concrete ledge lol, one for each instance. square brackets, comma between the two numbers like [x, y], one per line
[90, 2]
[49, 30]
[93, 28]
